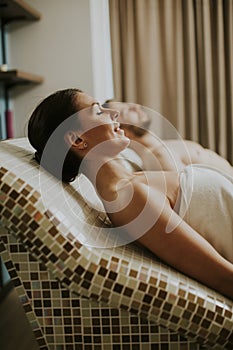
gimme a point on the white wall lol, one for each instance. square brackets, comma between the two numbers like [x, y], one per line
[69, 47]
[101, 49]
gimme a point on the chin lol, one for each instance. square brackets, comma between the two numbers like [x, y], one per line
[125, 142]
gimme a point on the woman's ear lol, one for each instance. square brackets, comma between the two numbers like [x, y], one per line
[70, 138]
[73, 140]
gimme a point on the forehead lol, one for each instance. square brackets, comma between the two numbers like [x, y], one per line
[85, 100]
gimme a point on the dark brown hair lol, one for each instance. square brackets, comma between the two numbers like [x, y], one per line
[45, 119]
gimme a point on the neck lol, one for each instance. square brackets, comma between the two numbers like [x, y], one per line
[105, 174]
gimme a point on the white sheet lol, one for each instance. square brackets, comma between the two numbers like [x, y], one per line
[206, 204]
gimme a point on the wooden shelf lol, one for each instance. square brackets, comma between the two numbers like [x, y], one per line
[11, 10]
[14, 77]
[14, 10]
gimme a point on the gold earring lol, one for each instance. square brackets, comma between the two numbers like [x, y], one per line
[85, 145]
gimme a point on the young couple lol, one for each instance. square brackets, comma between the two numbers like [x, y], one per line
[184, 217]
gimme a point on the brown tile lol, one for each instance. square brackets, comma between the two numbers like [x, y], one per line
[128, 292]
[181, 302]
[118, 288]
[142, 286]
[25, 192]
[133, 273]
[152, 290]
[219, 319]
[10, 204]
[14, 194]
[5, 188]
[22, 201]
[63, 256]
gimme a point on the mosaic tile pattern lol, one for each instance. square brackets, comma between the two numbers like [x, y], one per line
[125, 278]
[71, 322]
[17, 281]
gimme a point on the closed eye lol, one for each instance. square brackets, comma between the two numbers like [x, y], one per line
[99, 111]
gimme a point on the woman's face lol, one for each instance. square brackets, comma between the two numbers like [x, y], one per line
[100, 126]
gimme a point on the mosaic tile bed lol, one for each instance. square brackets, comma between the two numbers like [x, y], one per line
[60, 317]
[79, 297]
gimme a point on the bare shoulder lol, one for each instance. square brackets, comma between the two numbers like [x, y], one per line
[137, 200]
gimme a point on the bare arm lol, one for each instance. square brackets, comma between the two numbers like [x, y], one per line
[182, 248]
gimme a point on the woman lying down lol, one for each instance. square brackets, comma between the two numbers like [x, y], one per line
[185, 218]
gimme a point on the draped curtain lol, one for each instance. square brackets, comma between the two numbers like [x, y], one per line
[176, 57]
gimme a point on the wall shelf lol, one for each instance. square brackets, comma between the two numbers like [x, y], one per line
[11, 10]
[16, 77]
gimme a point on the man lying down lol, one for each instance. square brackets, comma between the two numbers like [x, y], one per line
[159, 154]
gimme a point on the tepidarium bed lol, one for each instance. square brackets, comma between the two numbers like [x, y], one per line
[78, 295]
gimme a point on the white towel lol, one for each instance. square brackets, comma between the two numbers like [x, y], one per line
[206, 204]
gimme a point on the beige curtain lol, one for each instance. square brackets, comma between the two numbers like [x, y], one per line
[176, 57]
